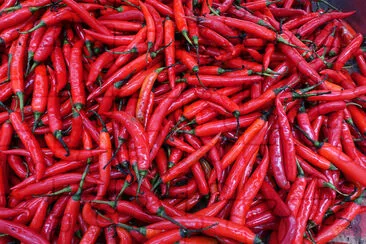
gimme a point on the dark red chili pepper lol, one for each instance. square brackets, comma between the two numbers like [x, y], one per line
[6, 134]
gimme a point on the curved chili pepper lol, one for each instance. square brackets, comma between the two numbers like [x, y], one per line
[30, 143]
[139, 138]
[144, 94]
[185, 164]
[287, 142]
[325, 108]
[84, 15]
[346, 216]
[51, 222]
[276, 158]
[46, 45]
[246, 195]
[348, 51]
[74, 155]
[91, 235]
[21, 232]
[310, 26]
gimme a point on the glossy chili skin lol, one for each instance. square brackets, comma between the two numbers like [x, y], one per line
[30, 143]
[21, 232]
[250, 189]
[288, 144]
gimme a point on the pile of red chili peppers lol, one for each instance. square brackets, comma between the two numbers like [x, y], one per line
[197, 121]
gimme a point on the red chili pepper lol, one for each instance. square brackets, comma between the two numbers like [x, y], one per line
[46, 45]
[249, 27]
[246, 195]
[104, 158]
[169, 51]
[40, 214]
[144, 95]
[311, 26]
[287, 142]
[358, 117]
[30, 142]
[17, 16]
[140, 140]
[185, 164]
[163, 9]
[91, 235]
[21, 232]
[110, 40]
[325, 108]
[51, 222]
[6, 135]
[348, 51]
[84, 15]
[276, 158]
[349, 146]
[59, 152]
[16, 69]
[59, 65]
[220, 227]
[180, 20]
[344, 163]
[244, 139]
[345, 217]
[150, 24]
[160, 111]
[76, 76]
[274, 200]
[50, 184]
